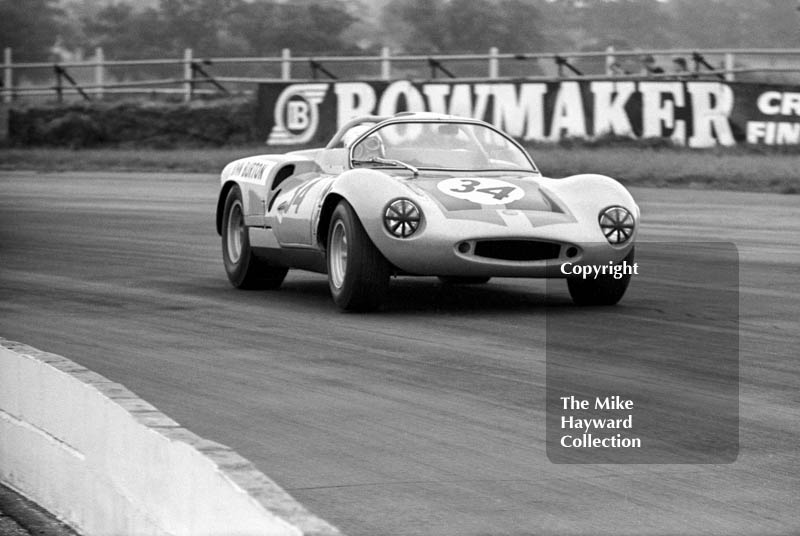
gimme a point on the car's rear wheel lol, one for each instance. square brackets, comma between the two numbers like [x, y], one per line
[244, 269]
[463, 280]
[358, 275]
[605, 290]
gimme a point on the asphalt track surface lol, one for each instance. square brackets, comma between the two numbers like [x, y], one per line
[427, 418]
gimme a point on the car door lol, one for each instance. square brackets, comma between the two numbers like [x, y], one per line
[296, 209]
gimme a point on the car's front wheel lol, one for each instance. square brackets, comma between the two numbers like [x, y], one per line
[605, 290]
[244, 269]
[358, 275]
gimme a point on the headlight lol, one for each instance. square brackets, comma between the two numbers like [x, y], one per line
[617, 224]
[401, 218]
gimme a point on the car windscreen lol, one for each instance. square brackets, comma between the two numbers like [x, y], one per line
[441, 146]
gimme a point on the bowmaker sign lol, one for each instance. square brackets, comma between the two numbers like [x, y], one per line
[692, 113]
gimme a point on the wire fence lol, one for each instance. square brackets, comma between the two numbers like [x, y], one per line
[190, 77]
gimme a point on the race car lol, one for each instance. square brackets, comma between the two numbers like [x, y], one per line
[421, 194]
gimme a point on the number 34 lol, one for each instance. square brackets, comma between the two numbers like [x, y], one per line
[468, 185]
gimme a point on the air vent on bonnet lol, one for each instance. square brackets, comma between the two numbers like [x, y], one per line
[517, 250]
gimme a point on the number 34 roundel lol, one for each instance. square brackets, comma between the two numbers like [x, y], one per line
[482, 191]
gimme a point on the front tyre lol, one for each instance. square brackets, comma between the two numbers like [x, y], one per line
[244, 269]
[358, 275]
[605, 290]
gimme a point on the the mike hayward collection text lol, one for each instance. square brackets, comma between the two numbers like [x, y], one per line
[604, 428]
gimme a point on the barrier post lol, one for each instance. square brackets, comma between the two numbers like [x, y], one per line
[386, 64]
[188, 74]
[286, 64]
[494, 63]
[729, 66]
[8, 76]
[610, 60]
[99, 71]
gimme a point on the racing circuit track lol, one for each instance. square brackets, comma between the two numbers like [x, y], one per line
[425, 419]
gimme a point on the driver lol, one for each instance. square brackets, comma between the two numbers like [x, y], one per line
[371, 146]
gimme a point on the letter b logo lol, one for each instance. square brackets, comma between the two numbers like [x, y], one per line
[297, 115]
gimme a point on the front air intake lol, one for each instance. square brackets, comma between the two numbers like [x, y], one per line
[517, 250]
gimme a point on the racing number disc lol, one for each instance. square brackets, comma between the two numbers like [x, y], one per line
[482, 191]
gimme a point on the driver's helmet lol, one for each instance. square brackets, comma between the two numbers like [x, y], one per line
[371, 146]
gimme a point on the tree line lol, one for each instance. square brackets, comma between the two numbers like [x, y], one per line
[163, 28]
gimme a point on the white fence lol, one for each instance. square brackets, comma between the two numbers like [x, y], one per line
[189, 76]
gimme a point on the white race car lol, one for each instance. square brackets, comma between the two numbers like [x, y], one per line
[421, 194]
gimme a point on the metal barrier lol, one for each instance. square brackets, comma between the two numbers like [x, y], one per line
[191, 73]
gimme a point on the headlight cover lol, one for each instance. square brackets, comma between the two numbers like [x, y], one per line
[402, 218]
[617, 224]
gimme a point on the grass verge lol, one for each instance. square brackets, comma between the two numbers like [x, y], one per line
[723, 169]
